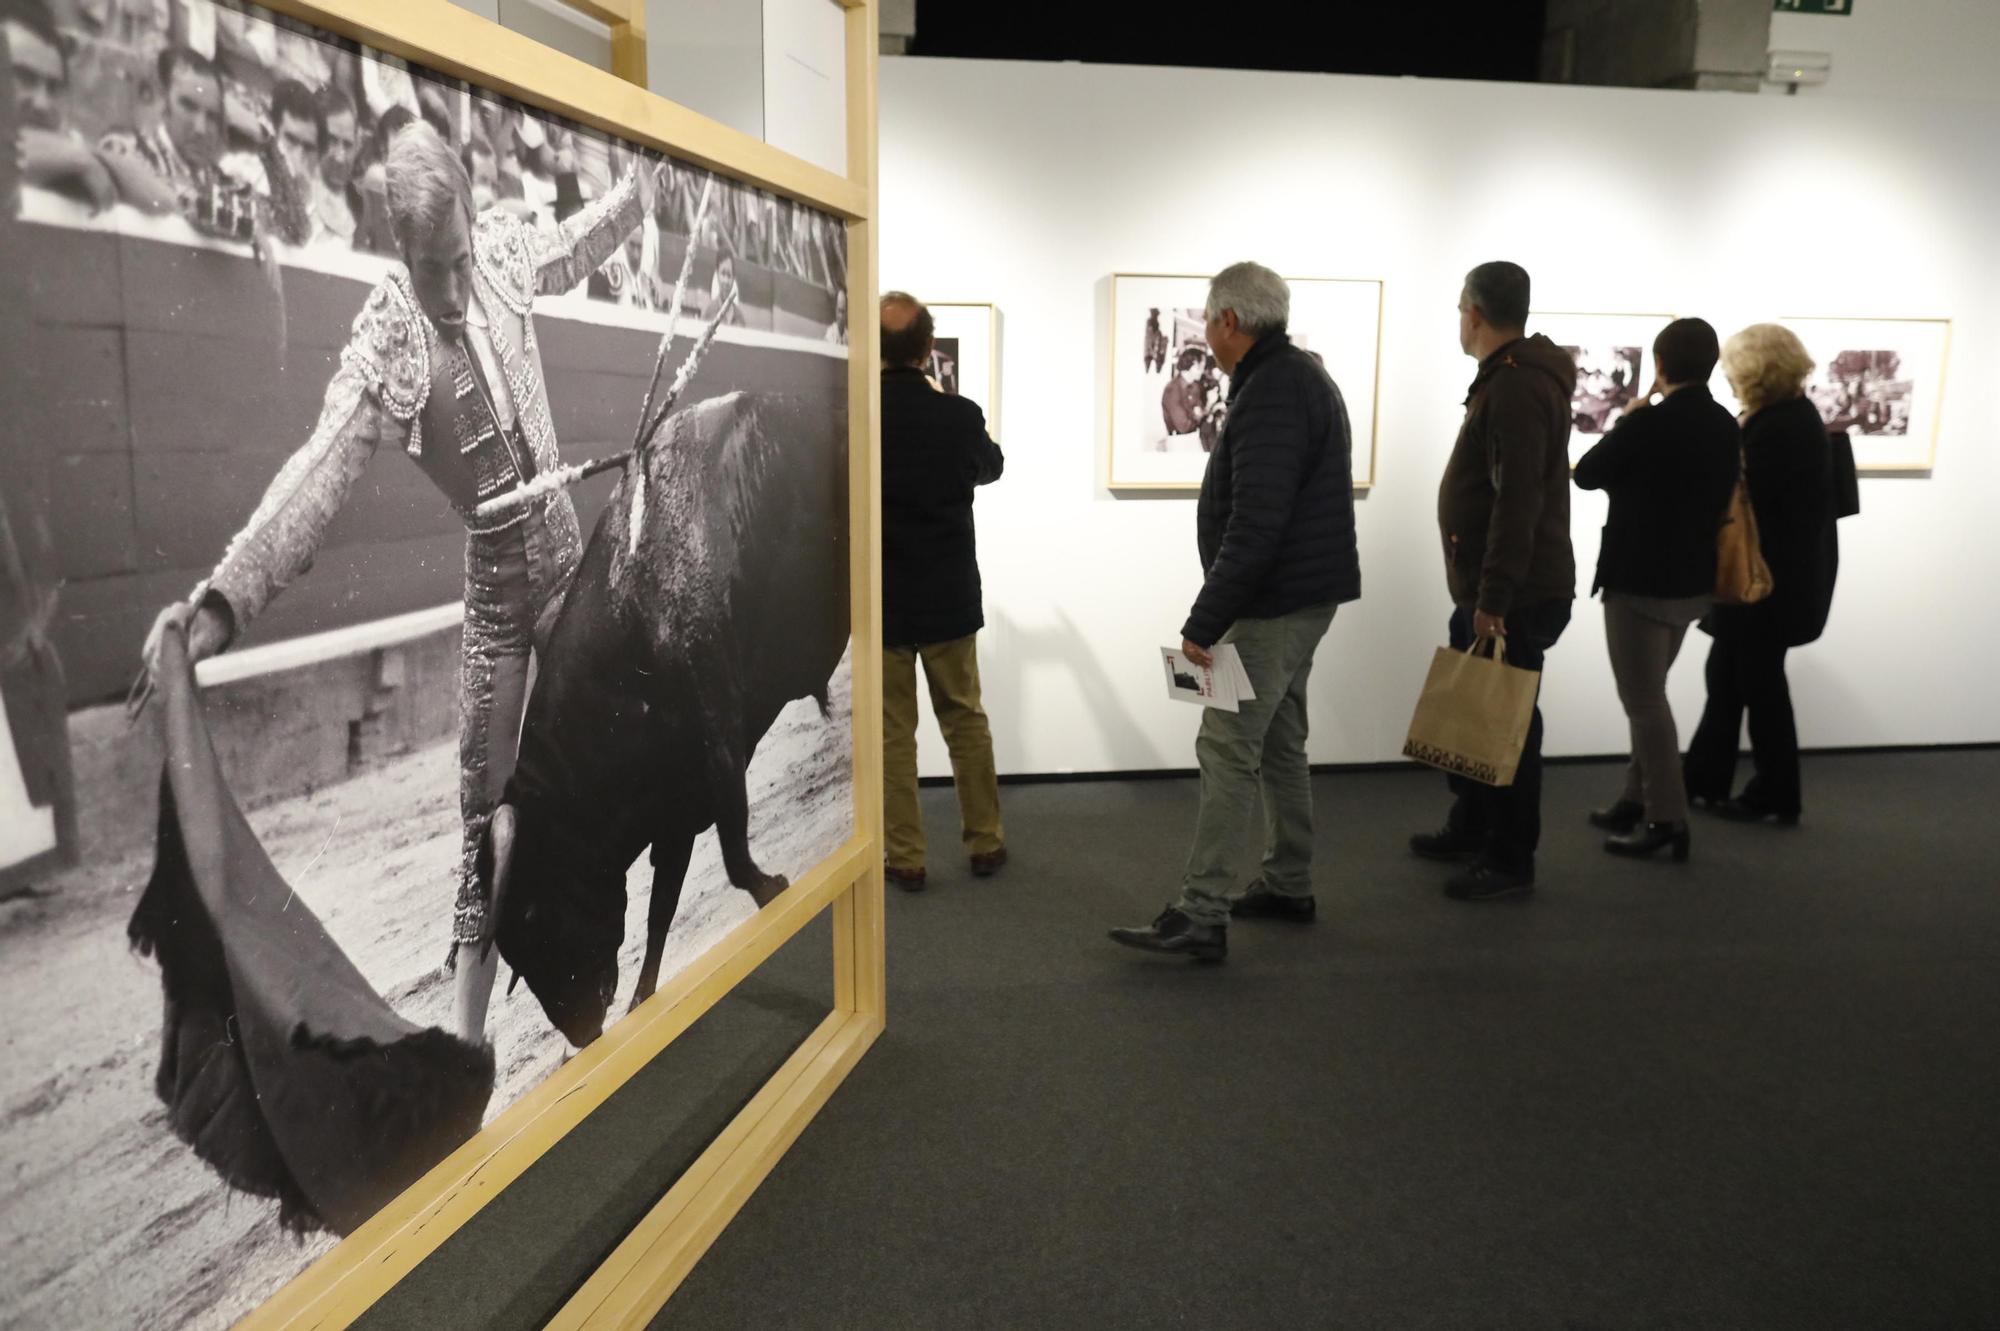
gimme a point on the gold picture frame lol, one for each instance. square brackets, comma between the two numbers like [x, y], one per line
[1370, 298]
[343, 1283]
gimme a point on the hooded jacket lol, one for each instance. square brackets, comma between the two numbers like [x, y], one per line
[1503, 505]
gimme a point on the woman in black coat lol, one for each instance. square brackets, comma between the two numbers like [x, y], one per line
[1789, 466]
[1669, 471]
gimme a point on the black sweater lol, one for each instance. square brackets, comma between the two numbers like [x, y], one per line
[934, 452]
[1275, 522]
[1669, 471]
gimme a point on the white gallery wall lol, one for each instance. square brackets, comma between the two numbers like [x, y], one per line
[1900, 48]
[1029, 185]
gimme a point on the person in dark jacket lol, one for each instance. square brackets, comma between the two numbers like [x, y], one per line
[1275, 529]
[1503, 513]
[1788, 465]
[935, 451]
[1669, 472]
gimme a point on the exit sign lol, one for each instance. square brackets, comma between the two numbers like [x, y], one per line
[1814, 6]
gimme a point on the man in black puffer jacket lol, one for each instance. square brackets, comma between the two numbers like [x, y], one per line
[1275, 527]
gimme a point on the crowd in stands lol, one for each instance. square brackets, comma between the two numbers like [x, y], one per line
[256, 131]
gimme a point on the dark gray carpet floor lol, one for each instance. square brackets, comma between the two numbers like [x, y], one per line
[1761, 1090]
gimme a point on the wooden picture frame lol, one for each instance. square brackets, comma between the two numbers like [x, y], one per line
[989, 397]
[1356, 301]
[1829, 336]
[342, 1284]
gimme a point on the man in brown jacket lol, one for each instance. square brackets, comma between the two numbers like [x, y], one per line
[1503, 510]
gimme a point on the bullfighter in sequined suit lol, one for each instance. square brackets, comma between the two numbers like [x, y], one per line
[443, 363]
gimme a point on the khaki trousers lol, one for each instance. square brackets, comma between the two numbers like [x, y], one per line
[951, 669]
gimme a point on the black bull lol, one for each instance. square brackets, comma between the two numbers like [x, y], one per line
[663, 668]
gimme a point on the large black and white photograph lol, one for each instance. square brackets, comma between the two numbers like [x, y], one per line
[1882, 381]
[424, 553]
[1864, 393]
[1170, 398]
[1607, 384]
[1614, 366]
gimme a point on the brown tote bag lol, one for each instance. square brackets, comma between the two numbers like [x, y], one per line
[1472, 717]
[1741, 575]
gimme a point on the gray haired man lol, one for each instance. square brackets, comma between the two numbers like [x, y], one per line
[1275, 528]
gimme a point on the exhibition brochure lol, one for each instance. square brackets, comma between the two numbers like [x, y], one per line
[1225, 684]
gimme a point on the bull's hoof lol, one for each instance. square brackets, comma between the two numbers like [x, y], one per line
[766, 892]
[640, 995]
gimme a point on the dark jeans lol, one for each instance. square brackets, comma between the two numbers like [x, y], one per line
[1508, 819]
[1746, 672]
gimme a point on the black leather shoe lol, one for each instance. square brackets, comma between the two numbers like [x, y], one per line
[1447, 844]
[1174, 933]
[1484, 883]
[990, 863]
[1258, 902]
[1745, 811]
[1641, 842]
[1620, 817]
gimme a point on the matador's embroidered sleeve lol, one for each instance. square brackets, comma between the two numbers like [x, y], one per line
[579, 246]
[375, 394]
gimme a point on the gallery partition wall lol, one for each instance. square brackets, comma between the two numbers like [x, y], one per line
[385, 379]
[1049, 191]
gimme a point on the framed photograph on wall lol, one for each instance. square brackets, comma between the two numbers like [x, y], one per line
[967, 360]
[410, 405]
[1882, 381]
[1614, 366]
[1169, 398]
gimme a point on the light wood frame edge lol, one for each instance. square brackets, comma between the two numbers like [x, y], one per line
[1117, 486]
[631, 1285]
[992, 408]
[1928, 466]
[344, 1283]
[458, 43]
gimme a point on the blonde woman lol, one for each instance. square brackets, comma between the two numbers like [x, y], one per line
[1789, 467]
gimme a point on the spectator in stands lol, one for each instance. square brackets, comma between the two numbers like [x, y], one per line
[178, 157]
[301, 130]
[52, 155]
[483, 169]
[372, 231]
[336, 207]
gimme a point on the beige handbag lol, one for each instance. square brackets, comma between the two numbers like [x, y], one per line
[1741, 575]
[1472, 717]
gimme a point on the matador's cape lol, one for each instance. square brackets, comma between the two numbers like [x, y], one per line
[279, 1064]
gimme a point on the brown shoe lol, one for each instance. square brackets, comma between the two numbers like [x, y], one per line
[985, 866]
[910, 880]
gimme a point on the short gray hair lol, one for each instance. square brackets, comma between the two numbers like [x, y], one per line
[1262, 301]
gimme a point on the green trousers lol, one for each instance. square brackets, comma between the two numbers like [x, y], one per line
[1262, 747]
[952, 671]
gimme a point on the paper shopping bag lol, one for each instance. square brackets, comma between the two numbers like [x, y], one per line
[1472, 717]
